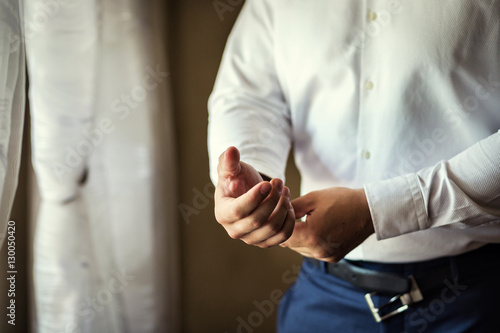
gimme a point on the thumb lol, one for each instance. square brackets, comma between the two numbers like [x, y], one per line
[303, 205]
[229, 163]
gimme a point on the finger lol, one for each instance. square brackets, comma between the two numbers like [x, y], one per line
[229, 163]
[240, 207]
[260, 215]
[285, 232]
[274, 224]
[303, 205]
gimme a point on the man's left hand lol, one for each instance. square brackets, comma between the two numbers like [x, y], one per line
[338, 220]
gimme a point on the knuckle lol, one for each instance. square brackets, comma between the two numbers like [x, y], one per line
[280, 238]
[218, 216]
[255, 223]
[274, 228]
[264, 245]
[237, 212]
[234, 234]
[250, 242]
[270, 242]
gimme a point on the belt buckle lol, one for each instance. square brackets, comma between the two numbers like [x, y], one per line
[413, 296]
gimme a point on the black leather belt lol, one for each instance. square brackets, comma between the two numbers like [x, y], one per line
[405, 290]
[383, 282]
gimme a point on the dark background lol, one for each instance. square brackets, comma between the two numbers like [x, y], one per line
[224, 282]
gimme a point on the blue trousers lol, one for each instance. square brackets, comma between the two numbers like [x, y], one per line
[320, 303]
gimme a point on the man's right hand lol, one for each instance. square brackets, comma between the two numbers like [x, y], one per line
[256, 211]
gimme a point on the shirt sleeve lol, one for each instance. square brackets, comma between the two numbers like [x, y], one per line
[247, 108]
[460, 193]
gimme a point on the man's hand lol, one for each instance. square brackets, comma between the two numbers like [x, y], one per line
[338, 220]
[250, 209]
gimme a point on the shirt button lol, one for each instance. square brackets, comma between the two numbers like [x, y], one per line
[366, 154]
[371, 16]
[369, 85]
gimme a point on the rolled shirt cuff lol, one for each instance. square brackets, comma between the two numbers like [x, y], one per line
[397, 206]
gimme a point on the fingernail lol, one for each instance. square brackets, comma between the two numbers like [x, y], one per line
[279, 186]
[265, 188]
[286, 192]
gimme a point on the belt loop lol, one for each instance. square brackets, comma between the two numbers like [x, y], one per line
[454, 269]
[324, 266]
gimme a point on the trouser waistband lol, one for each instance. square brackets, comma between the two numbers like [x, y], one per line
[465, 264]
[414, 280]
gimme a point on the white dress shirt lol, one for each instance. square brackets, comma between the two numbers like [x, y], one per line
[401, 97]
[12, 102]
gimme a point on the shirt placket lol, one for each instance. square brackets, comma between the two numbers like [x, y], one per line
[368, 85]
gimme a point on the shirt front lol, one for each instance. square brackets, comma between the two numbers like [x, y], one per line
[401, 97]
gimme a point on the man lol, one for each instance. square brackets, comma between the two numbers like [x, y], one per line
[393, 111]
